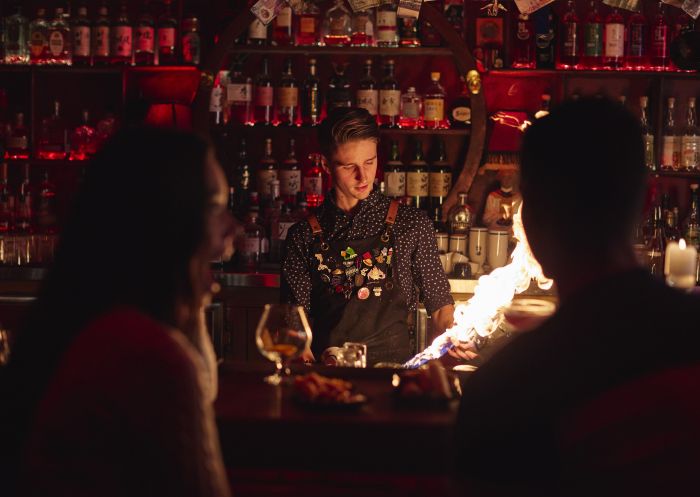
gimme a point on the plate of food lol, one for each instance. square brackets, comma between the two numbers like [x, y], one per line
[316, 391]
[428, 387]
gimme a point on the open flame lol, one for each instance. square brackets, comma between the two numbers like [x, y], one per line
[483, 313]
[512, 121]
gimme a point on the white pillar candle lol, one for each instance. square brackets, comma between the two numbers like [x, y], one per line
[680, 264]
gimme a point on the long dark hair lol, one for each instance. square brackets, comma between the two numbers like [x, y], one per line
[136, 223]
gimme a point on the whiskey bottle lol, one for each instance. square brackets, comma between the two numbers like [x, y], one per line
[101, 37]
[670, 152]
[46, 221]
[395, 174]
[307, 25]
[60, 51]
[434, 104]
[239, 95]
[524, 57]
[337, 28]
[460, 114]
[659, 40]
[545, 43]
[263, 97]
[313, 181]
[81, 32]
[290, 175]
[144, 38]
[636, 52]
[191, 43]
[338, 94]
[242, 179]
[39, 38]
[429, 36]
[367, 95]
[311, 97]
[282, 35]
[411, 111]
[690, 141]
[408, 31]
[593, 38]
[387, 33]
[52, 136]
[647, 135]
[417, 178]
[24, 214]
[15, 37]
[569, 39]
[122, 38]
[250, 245]
[614, 41]
[440, 180]
[389, 98]
[167, 37]
[657, 245]
[267, 172]
[362, 29]
[287, 96]
[16, 141]
[83, 140]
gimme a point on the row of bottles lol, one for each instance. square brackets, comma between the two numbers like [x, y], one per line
[380, 26]
[286, 101]
[103, 39]
[56, 140]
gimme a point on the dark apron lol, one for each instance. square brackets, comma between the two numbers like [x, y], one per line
[356, 296]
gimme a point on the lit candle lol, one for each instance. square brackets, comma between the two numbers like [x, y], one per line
[680, 264]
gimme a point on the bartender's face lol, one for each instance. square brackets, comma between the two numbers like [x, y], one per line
[353, 167]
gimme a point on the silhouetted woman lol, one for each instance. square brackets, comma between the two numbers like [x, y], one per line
[110, 386]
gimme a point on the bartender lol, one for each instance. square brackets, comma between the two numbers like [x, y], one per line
[360, 262]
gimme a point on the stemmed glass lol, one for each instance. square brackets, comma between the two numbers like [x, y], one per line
[283, 334]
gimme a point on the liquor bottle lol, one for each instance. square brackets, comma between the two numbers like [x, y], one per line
[647, 134]
[671, 230]
[614, 52]
[593, 38]
[217, 117]
[106, 127]
[46, 206]
[16, 38]
[489, 40]
[387, 32]
[524, 57]
[191, 44]
[657, 245]
[389, 98]
[250, 247]
[39, 38]
[167, 37]
[691, 225]
[278, 237]
[101, 37]
[81, 38]
[272, 207]
[83, 140]
[411, 110]
[690, 141]
[263, 97]
[395, 174]
[670, 159]
[408, 31]
[545, 43]
[267, 172]
[417, 178]
[7, 203]
[367, 95]
[429, 36]
[311, 97]
[282, 35]
[239, 95]
[570, 39]
[24, 204]
[242, 179]
[460, 114]
[313, 181]
[290, 176]
[362, 29]
[338, 94]
[122, 37]
[440, 180]
[434, 104]
[258, 33]
[637, 29]
[17, 142]
[337, 26]
[52, 135]
[287, 96]
[144, 38]
[659, 40]
[307, 25]
[60, 51]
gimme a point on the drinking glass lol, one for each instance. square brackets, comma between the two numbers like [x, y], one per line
[283, 334]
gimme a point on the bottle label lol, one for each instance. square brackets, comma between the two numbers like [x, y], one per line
[367, 99]
[649, 158]
[56, 43]
[166, 37]
[101, 41]
[389, 102]
[284, 17]
[215, 99]
[417, 184]
[434, 109]
[16, 142]
[265, 179]
[287, 97]
[313, 185]
[593, 39]
[614, 40]
[239, 92]
[659, 42]
[122, 41]
[257, 30]
[338, 26]
[361, 23]
[523, 33]
[81, 41]
[670, 155]
[386, 26]
[251, 245]
[144, 39]
[395, 182]
[307, 25]
[190, 48]
[637, 40]
[263, 96]
[411, 109]
[290, 181]
[38, 44]
[571, 40]
[462, 114]
[313, 103]
[440, 184]
[690, 151]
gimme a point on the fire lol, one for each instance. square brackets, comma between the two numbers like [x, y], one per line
[510, 120]
[483, 313]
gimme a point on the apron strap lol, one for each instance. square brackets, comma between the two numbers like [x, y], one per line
[316, 230]
[390, 220]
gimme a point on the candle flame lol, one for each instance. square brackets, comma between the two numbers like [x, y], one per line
[681, 244]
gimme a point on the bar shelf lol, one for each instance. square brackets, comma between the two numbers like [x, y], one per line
[358, 51]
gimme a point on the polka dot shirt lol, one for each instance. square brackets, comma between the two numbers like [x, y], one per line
[419, 271]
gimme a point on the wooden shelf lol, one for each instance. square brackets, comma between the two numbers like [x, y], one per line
[679, 174]
[47, 162]
[603, 73]
[384, 131]
[366, 51]
[84, 70]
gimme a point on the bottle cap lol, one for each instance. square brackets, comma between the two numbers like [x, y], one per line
[643, 101]
[435, 76]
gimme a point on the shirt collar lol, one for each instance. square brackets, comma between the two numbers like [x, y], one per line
[372, 201]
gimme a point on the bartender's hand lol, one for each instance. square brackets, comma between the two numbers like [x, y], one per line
[308, 356]
[442, 319]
